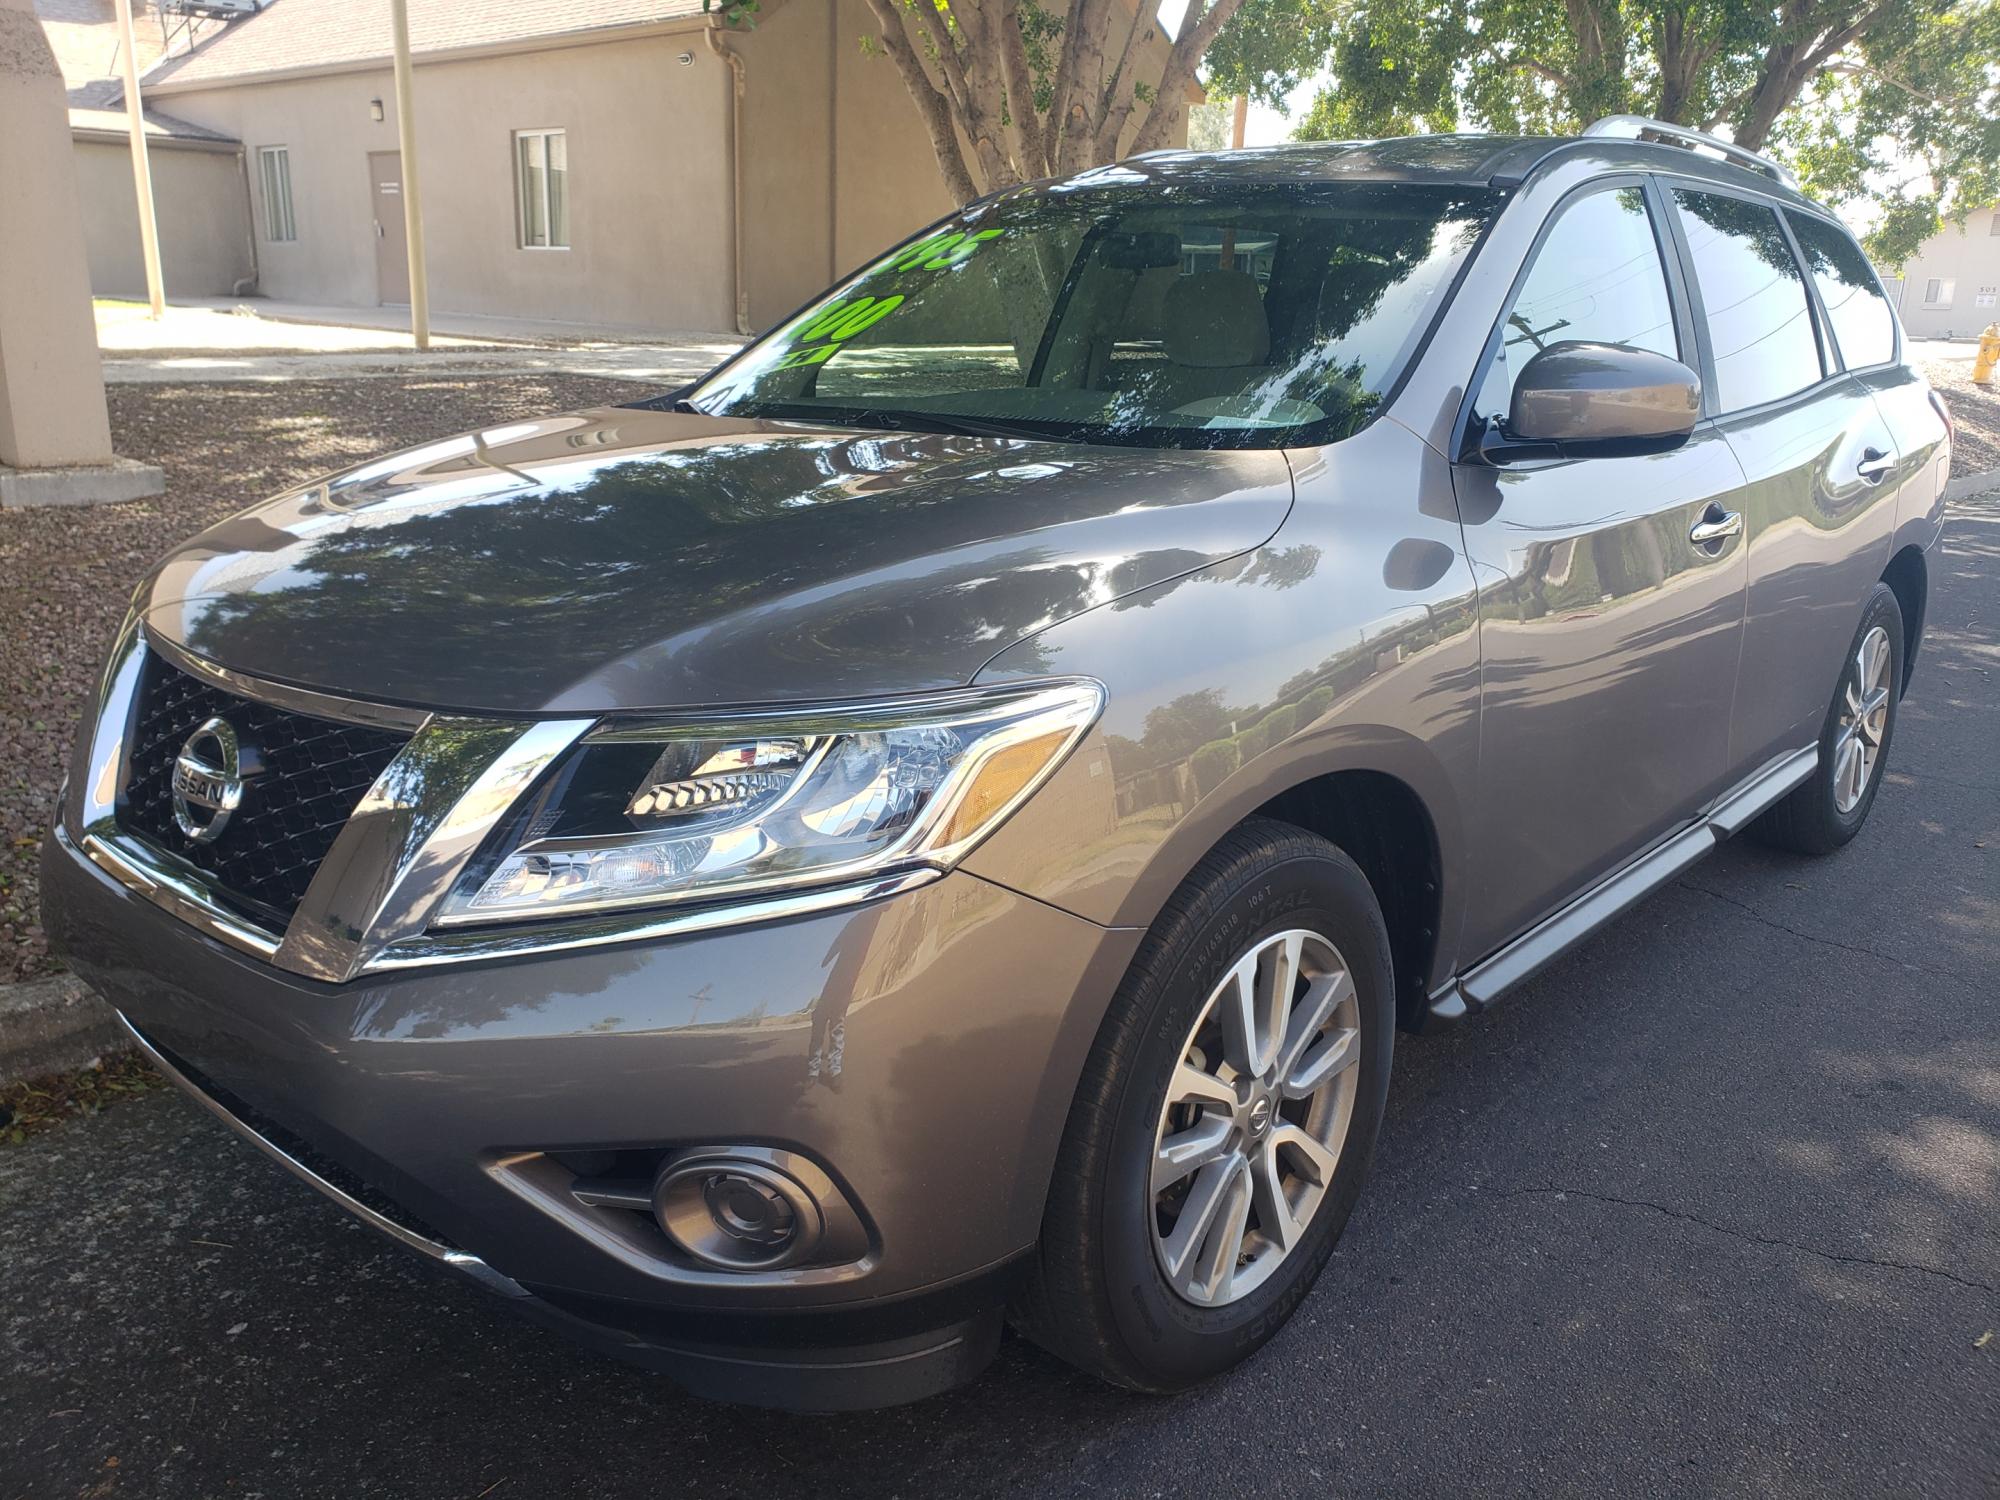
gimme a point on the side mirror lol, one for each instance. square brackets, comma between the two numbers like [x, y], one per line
[1582, 400]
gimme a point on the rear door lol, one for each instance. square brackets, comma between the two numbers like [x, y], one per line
[1608, 637]
[1819, 463]
[1857, 313]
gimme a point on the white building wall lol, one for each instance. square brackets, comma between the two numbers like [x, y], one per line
[1951, 286]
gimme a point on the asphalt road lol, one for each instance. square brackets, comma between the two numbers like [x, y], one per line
[1713, 1207]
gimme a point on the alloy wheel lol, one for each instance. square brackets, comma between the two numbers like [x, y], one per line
[1864, 720]
[1255, 1117]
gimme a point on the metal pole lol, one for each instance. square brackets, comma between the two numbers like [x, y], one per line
[413, 213]
[142, 169]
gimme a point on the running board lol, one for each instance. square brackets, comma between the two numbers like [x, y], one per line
[1490, 978]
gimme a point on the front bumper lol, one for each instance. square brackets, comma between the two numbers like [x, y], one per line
[923, 1049]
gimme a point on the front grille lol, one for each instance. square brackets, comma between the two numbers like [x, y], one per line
[309, 775]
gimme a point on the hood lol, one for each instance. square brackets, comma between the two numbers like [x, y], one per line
[626, 558]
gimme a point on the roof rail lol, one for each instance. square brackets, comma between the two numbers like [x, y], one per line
[1639, 128]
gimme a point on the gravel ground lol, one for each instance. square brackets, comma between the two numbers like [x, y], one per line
[1975, 409]
[223, 447]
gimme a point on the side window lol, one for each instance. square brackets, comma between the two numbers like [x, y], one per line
[1863, 326]
[274, 166]
[1760, 324]
[1596, 278]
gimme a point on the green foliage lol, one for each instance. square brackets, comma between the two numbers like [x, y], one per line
[1269, 48]
[1896, 105]
[1911, 120]
[1209, 125]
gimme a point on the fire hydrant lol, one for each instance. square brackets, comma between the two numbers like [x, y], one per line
[1988, 355]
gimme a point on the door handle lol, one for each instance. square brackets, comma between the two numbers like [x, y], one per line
[1874, 464]
[1715, 526]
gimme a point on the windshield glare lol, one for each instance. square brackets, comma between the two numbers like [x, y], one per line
[1155, 316]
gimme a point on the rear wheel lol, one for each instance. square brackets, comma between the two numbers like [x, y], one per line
[1830, 808]
[1225, 1120]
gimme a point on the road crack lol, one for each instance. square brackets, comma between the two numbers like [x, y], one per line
[1825, 942]
[1749, 1236]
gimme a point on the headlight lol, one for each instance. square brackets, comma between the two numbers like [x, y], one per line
[640, 814]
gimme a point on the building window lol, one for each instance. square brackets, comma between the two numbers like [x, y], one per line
[274, 166]
[1938, 293]
[541, 186]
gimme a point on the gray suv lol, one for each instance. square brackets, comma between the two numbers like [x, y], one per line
[943, 819]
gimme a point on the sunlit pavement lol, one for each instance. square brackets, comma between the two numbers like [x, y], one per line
[1712, 1207]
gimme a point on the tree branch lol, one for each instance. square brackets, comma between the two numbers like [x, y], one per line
[1198, 33]
[1020, 76]
[1114, 111]
[1073, 107]
[932, 103]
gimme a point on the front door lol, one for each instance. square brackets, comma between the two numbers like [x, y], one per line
[1608, 636]
[392, 250]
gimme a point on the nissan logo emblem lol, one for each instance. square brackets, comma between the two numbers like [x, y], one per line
[208, 781]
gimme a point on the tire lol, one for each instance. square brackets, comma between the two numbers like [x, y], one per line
[1813, 819]
[1099, 1292]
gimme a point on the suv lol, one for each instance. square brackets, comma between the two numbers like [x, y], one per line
[945, 816]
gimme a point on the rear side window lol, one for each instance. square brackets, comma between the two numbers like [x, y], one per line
[1760, 324]
[1863, 326]
[1598, 278]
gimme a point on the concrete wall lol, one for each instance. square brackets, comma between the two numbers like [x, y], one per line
[648, 181]
[199, 202]
[1968, 256]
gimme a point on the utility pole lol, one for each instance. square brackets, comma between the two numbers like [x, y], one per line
[1240, 123]
[413, 212]
[142, 169]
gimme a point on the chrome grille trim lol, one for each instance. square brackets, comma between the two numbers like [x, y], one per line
[283, 695]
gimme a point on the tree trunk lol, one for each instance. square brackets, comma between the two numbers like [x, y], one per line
[1198, 33]
[933, 106]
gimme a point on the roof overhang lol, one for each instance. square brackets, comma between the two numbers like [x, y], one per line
[98, 136]
[672, 26]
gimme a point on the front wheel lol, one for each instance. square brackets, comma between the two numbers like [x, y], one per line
[1830, 808]
[1225, 1120]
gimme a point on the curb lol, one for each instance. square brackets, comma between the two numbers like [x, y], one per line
[53, 1025]
[1968, 485]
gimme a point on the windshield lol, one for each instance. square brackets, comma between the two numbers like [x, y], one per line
[1151, 315]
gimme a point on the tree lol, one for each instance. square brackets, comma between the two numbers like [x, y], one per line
[1890, 100]
[1013, 90]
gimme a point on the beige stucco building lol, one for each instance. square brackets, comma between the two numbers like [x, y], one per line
[591, 162]
[1951, 286]
[201, 207]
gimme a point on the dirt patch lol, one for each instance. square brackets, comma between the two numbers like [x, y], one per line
[224, 447]
[38, 1104]
[1975, 412]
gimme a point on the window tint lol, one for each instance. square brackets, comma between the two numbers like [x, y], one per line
[1863, 327]
[1759, 322]
[1597, 278]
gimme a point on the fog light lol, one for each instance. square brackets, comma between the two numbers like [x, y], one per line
[736, 1214]
[746, 1209]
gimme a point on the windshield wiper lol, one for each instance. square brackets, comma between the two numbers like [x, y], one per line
[951, 424]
